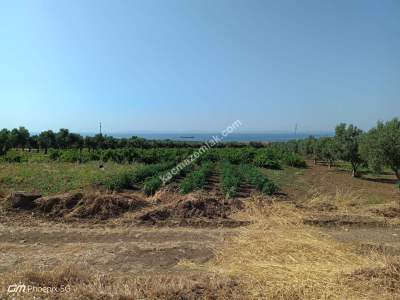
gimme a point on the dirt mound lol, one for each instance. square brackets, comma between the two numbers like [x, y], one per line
[166, 195]
[105, 206]
[22, 200]
[200, 211]
[344, 220]
[84, 206]
[387, 277]
[389, 212]
[58, 205]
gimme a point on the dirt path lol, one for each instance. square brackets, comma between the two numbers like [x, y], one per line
[126, 250]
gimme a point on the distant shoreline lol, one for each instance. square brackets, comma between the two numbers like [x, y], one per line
[234, 137]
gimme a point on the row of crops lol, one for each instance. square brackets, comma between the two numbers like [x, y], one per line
[192, 178]
[260, 157]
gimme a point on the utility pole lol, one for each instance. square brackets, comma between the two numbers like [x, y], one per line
[100, 128]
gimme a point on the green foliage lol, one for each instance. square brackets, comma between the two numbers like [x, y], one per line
[62, 138]
[230, 179]
[267, 159]
[348, 140]
[51, 177]
[119, 181]
[54, 154]
[381, 146]
[13, 156]
[46, 140]
[197, 179]
[259, 180]
[151, 185]
[5, 141]
[130, 178]
[293, 160]
[328, 150]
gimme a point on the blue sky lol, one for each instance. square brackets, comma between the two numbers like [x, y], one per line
[198, 65]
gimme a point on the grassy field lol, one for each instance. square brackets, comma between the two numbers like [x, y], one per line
[53, 177]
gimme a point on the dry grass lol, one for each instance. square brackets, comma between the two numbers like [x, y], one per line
[278, 257]
[342, 199]
[82, 285]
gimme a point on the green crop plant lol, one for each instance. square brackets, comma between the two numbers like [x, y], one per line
[197, 179]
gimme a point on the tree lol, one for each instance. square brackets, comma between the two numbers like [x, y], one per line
[75, 140]
[33, 142]
[98, 140]
[89, 143]
[317, 148]
[5, 141]
[329, 150]
[381, 146]
[46, 140]
[19, 137]
[62, 138]
[348, 139]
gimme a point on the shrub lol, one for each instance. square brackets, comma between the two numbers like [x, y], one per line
[294, 160]
[230, 179]
[263, 161]
[151, 185]
[119, 181]
[14, 157]
[54, 154]
[69, 156]
[197, 179]
[259, 180]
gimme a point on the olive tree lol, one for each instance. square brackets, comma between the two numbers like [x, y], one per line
[5, 142]
[347, 139]
[381, 146]
[46, 140]
[62, 138]
[19, 137]
[328, 150]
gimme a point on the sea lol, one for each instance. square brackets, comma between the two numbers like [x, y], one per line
[233, 137]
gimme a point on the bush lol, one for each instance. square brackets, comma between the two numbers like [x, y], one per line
[14, 157]
[269, 188]
[119, 181]
[263, 161]
[69, 156]
[151, 185]
[230, 179]
[259, 180]
[294, 160]
[54, 154]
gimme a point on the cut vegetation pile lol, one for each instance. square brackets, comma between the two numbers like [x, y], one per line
[77, 205]
[106, 206]
[192, 211]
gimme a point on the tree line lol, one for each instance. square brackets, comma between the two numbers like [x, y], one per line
[376, 149]
[20, 138]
